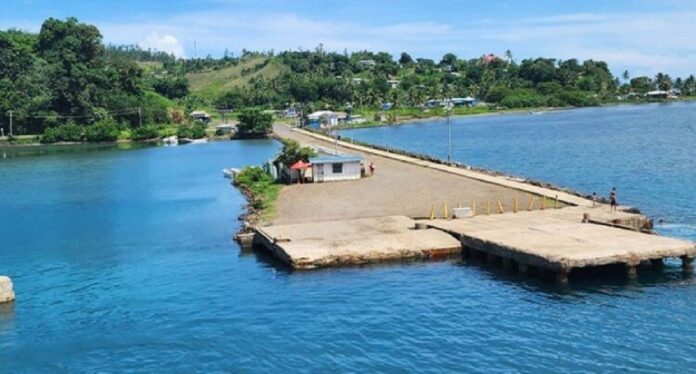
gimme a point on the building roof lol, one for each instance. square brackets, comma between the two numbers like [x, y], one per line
[327, 113]
[334, 159]
[199, 113]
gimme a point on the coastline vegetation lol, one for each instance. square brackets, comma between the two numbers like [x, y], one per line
[64, 78]
[261, 191]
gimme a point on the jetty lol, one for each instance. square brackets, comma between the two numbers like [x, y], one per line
[354, 242]
[404, 211]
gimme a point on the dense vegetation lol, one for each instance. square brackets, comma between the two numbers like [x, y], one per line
[260, 189]
[64, 83]
[293, 152]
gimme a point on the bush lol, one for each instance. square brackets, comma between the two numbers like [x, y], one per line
[103, 131]
[145, 133]
[64, 133]
[263, 190]
[254, 122]
[195, 131]
[579, 98]
[293, 152]
[496, 94]
[523, 98]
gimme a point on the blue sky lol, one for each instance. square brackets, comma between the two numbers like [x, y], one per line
[639, 35]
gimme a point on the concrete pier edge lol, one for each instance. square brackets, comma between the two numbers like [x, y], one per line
[504, 181]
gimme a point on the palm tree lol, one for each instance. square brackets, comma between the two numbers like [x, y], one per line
[625, 76]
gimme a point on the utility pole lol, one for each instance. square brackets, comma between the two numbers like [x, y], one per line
[449, 134]
[11, 114]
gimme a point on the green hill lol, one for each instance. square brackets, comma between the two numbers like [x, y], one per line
[213, 83]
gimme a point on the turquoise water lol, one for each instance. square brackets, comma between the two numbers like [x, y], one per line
[123, 261]
[646, 151]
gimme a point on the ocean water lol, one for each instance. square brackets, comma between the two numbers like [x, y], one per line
[123, 261]
[648, 152]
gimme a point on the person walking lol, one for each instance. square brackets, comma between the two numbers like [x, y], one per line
[613, 202]
[372, 168]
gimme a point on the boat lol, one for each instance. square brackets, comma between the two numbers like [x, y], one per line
[170, 141]
[230, 172]
[193, 141]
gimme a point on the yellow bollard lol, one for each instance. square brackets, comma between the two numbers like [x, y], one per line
[473, 208]
[432, 212]
[557, 204]
[514, 205]
[543, 202]
[531, 202]
[488, 207]
[459, 205]
[444, 210]
[500, 207]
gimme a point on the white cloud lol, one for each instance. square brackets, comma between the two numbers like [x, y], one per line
[644, 43]
[163, 43]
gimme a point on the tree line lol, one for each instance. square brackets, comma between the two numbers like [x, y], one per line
[64, 74]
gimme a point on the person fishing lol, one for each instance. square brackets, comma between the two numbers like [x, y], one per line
[613, 202]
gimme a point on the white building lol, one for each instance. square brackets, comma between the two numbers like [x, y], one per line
[200, 116]
[336, 168]
[326, 118]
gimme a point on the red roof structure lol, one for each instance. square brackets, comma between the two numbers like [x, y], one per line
[300, 165]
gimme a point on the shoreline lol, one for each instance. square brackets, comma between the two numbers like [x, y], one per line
[503, 112]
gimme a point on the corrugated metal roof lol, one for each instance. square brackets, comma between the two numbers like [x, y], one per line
[334, 159]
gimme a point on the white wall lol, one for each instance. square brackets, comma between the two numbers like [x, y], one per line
[351, 171]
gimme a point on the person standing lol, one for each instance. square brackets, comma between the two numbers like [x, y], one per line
[613, 202]
[372, 168]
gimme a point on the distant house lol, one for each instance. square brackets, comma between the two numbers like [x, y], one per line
[291, 112]
[225, 128]
[432, 103]
[325, 119]
[200, 116]
[464, 101]
[657, 94]
[356, 120]
[393, 83]
[336, 168]
[367, 63]
[487, 59]
[387, 106]
[357, 80]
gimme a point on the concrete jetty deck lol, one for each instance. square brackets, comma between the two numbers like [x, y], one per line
[373, 219]
[354, 242]
[558, 240]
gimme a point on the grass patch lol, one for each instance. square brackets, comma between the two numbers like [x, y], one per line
[261, 191]
[214, 83]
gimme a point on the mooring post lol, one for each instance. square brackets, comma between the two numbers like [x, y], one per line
[687, 263]
[514, 205]
[632, 271]
[562, 276]
[522, 268]
[491, 259]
